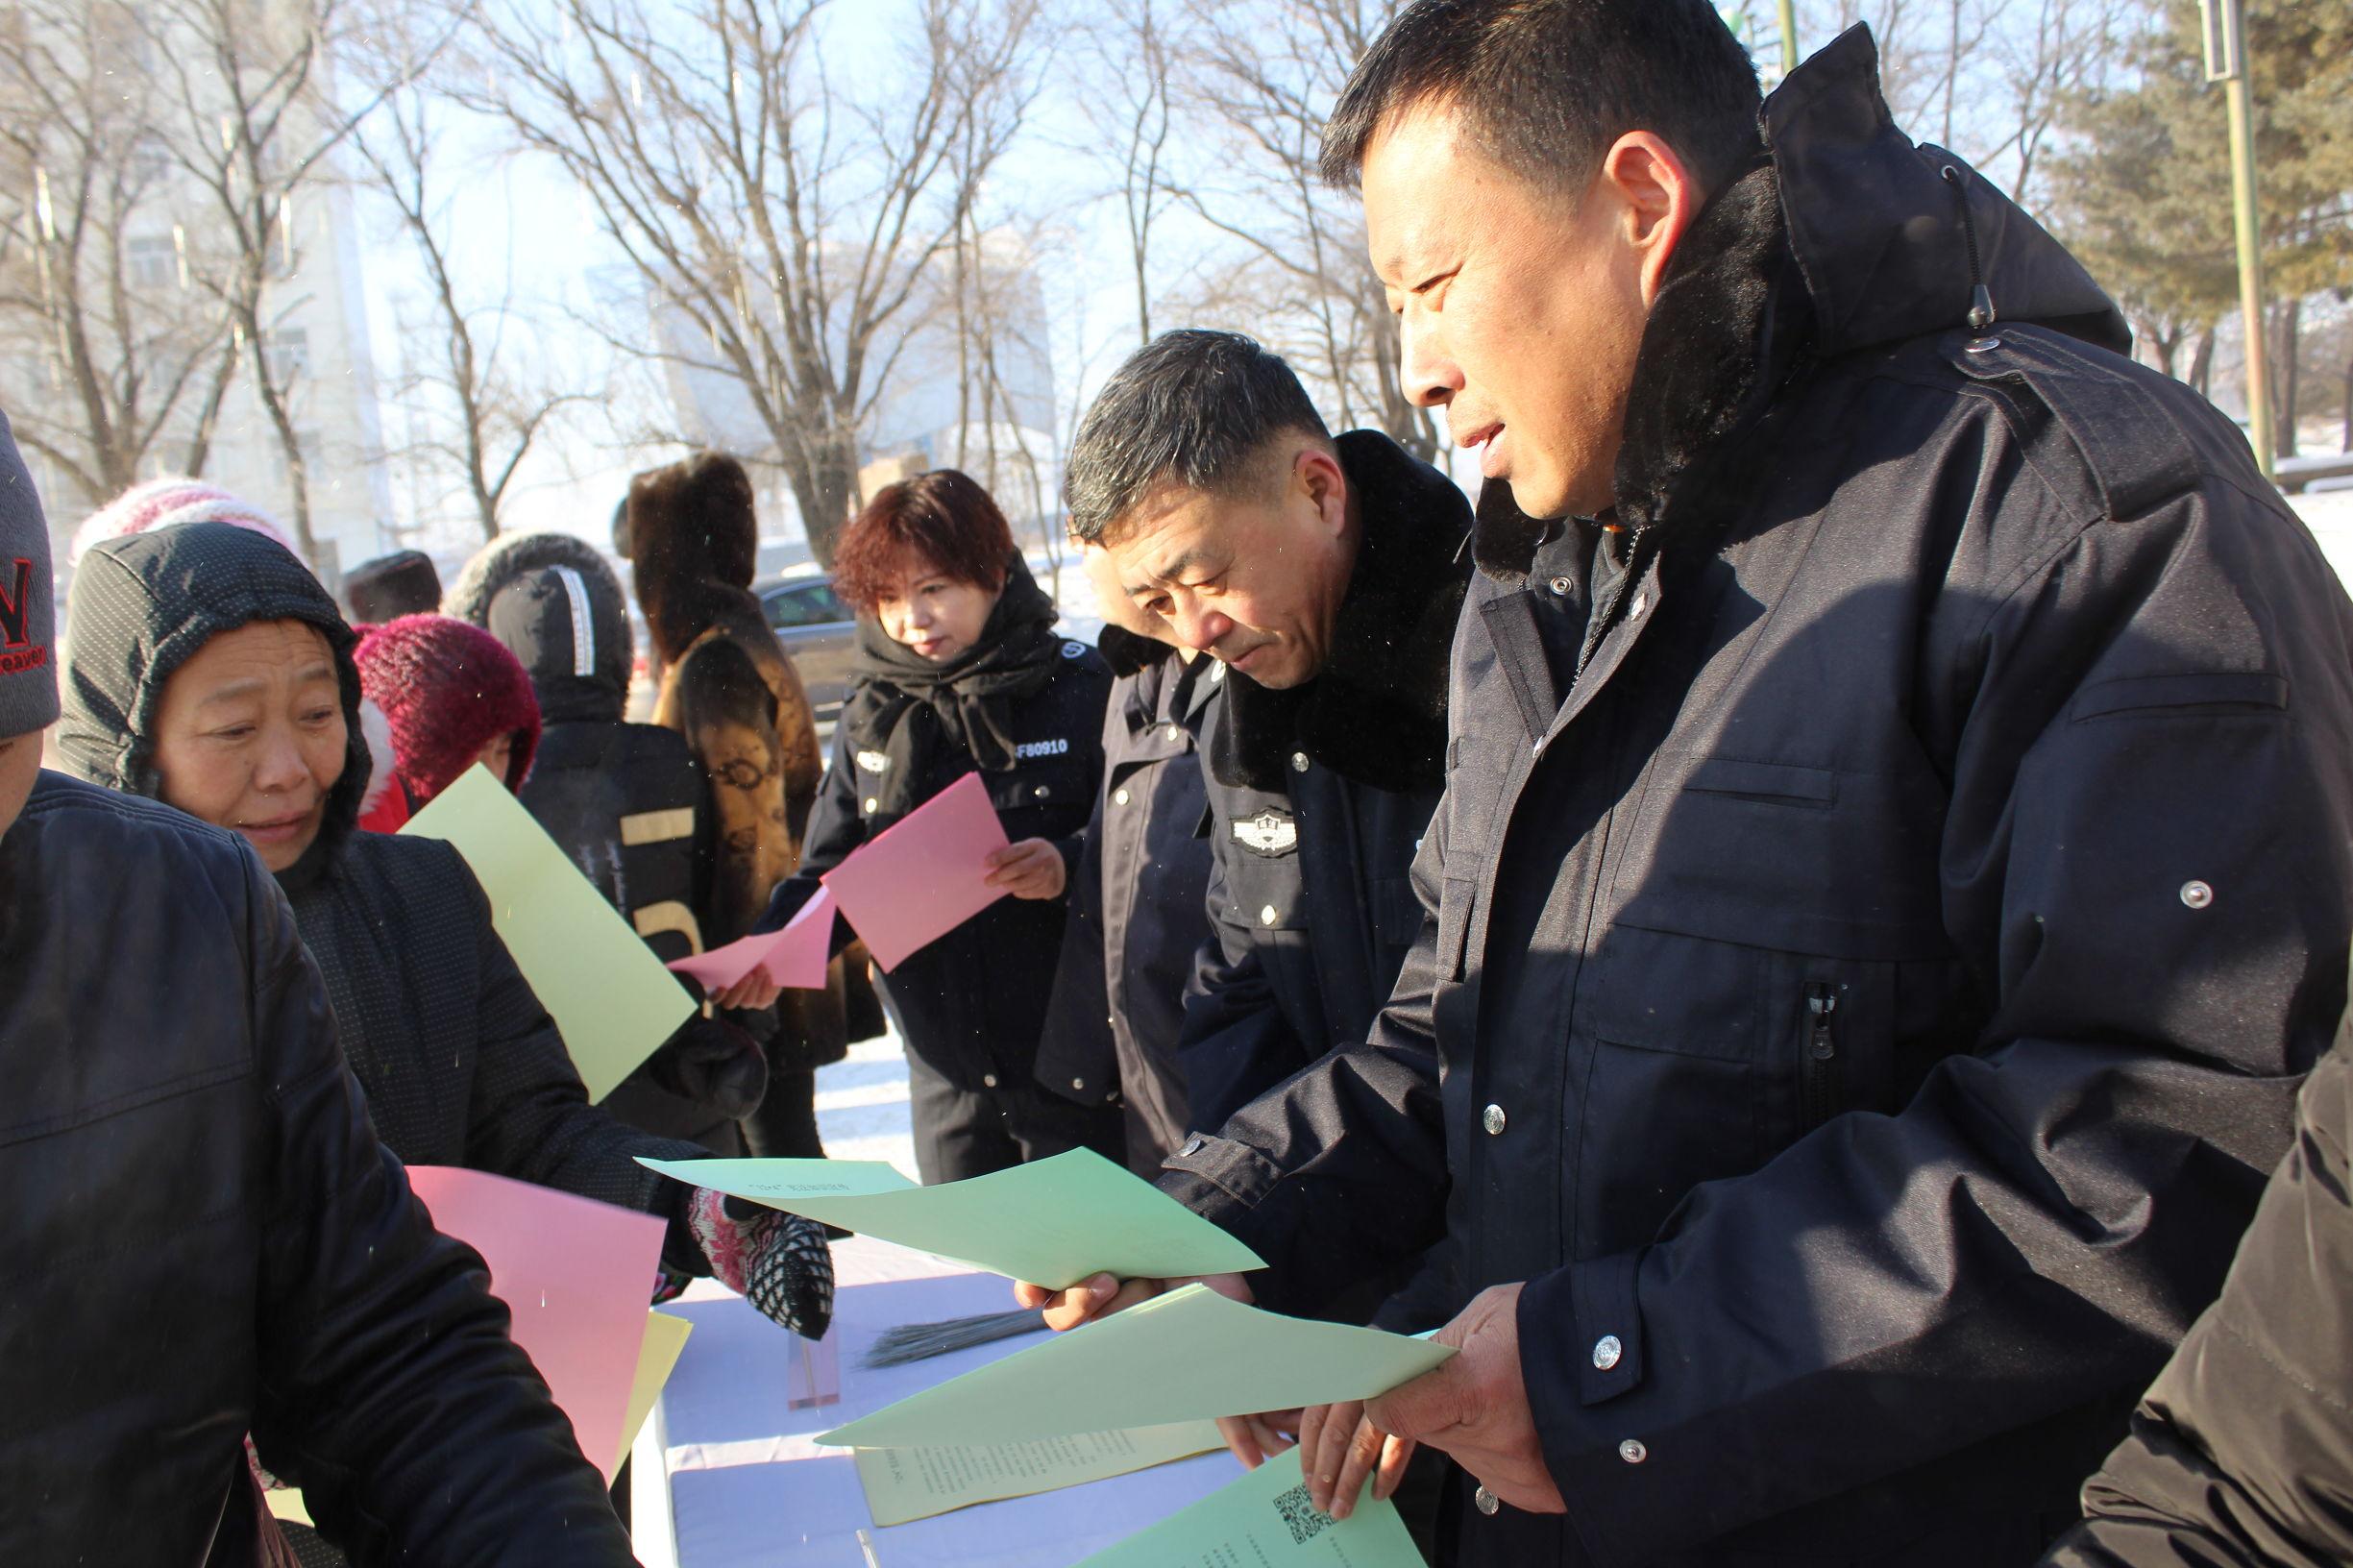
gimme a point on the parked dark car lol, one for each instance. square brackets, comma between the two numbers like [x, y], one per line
[818, 630]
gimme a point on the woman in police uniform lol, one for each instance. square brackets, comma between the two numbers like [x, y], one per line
[958, 670]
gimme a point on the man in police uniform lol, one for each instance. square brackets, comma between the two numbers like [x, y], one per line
[1325, 574]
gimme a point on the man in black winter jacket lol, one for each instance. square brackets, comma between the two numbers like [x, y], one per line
[1897, 853]
[203, 1238]
[1325, 575]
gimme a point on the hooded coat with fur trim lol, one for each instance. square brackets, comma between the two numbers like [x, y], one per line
[727, 684]
[1319, 798]
[729, 688]
[1884, 902]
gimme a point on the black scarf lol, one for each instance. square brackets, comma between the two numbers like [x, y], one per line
[909, 709]
[1377, 712]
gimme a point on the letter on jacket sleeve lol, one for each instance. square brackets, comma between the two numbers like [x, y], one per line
[390, 1390]
[2242, 1453]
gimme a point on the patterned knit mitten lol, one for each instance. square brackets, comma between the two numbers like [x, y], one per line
[777, 1261]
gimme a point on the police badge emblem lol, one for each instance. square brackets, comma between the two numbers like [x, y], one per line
[1270, 832]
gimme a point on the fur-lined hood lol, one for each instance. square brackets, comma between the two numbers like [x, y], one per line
[690, 535]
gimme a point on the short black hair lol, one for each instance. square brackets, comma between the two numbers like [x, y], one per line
[1546, 86]
[1191, 407]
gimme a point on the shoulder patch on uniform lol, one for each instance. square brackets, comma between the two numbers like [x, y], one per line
[1074, 650]
[873, 762]
[1270, 832]
[2136, 451]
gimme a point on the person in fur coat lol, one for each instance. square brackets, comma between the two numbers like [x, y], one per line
[728, 686]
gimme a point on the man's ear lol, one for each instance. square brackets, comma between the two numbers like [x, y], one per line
[1317, 470]
[1655, 197]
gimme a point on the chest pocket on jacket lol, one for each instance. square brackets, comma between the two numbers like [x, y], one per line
[1768, 919]
[1263, 885]
[1478, 768]
[1779, 855]
[1045, 784]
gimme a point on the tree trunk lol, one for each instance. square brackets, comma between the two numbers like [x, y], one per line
[824, 489]
[2201, 362]
[209, 417]
[289, 441]
[2346, 444]
[2285, 378]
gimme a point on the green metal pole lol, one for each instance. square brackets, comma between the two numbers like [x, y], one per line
[2226, 63]
[1789, 36]
[2251, 270]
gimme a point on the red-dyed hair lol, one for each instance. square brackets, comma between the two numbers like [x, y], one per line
[942, 518]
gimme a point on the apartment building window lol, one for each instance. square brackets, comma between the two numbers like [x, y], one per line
[151, 156]
[151, 263]
[289, 348]
[307, 437]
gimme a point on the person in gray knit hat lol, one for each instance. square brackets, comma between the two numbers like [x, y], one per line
[196, 1197]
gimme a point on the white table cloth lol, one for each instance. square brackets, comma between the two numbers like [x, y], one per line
[723, 1475]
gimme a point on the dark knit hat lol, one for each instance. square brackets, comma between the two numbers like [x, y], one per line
[28, 600]
[449, 690]
[391, 586]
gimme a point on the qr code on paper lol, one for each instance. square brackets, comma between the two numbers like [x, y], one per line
[1301, 1515]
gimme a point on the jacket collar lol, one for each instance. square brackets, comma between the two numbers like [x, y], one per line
[1377, 713]
[1843, 236]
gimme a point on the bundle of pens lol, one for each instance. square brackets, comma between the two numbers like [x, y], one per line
[921, 1341]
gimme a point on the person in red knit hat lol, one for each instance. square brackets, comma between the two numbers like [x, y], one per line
[454, 697]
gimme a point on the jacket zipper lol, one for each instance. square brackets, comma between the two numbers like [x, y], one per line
[1605, 615]
[1820, 1082]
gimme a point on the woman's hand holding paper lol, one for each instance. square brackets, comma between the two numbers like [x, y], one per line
[1032, 868]
[750, 993]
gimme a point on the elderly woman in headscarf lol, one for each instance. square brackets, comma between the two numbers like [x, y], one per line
[209, 670]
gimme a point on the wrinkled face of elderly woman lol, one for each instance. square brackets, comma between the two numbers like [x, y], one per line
[250, 736]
